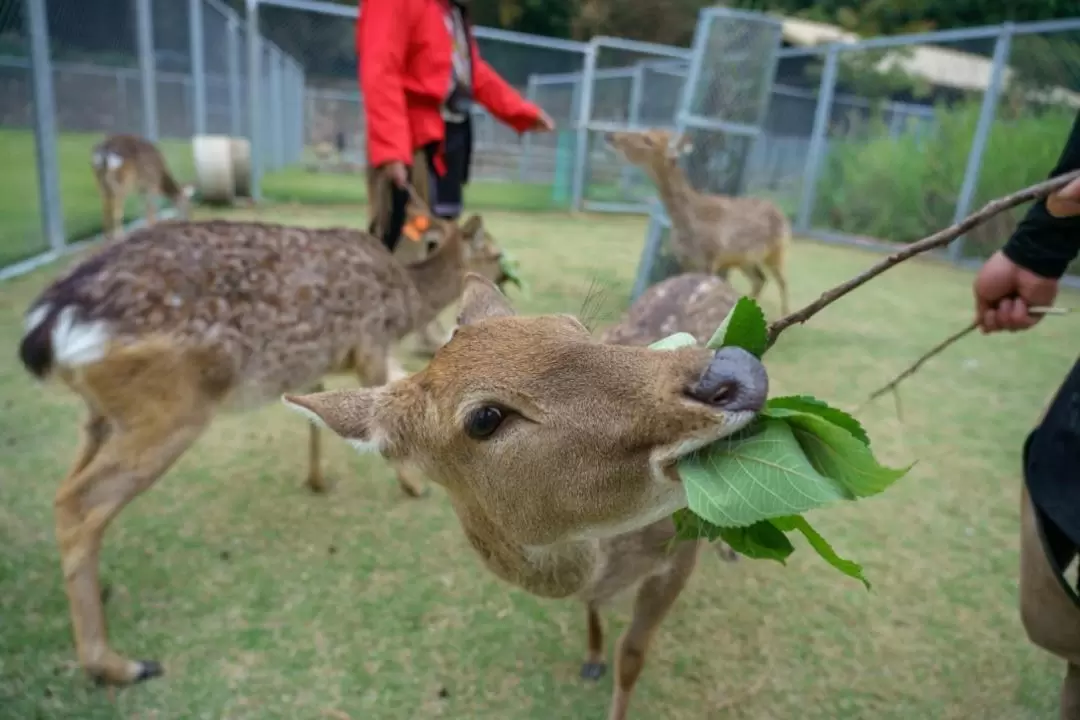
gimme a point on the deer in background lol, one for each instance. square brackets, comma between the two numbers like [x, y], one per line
[558, 454]
[711, 233]
[159, 332]
[126, 163]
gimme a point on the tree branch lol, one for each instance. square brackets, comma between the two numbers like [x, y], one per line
[938, 239]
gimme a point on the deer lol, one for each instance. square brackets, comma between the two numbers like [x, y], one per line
[159, 332]
[124, 163]
[711, 233]
[557, 452]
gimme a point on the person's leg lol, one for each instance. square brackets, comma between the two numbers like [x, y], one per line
[1050, 617]
[445, 199]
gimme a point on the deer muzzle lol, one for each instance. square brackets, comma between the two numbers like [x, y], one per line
[734, 381]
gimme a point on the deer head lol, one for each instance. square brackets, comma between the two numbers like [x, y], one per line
[482, 255]
[545, 432]
[655, 150]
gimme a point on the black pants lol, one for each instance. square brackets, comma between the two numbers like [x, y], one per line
[1052, 474]
[445, 191]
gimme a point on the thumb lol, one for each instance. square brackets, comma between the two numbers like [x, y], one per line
[1066, 201]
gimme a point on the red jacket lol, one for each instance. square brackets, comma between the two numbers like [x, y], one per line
[404, 52]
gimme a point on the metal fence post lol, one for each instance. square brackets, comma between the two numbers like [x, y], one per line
[147, 66]
[812, 170]
[48, 164]
[254, 75]
[232, 60]
[277, 129]
[982, 133]
[633, 118]
[581, 149]
[121, 101]
[198, 65]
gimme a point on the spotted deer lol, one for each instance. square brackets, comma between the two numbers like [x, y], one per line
[126, 163]
[558, 453]
[711, 233]
[160, 331]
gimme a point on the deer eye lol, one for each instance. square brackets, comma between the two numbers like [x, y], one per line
[483, 422]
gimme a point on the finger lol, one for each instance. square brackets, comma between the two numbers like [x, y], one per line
[989, 322]
[1017, 317]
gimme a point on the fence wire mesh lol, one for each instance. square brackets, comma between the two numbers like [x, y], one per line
[631, 88]
[905, 134]
[21, 235]
[721, 114]
[899, 134]
[1034, 112]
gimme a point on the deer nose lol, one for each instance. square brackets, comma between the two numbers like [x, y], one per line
[734, 381]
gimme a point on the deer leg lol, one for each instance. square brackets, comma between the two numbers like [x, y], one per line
[756, 276]
[315, 481]
[654, 599]
[775, 263]
[594, 666]
[114, 212]
[125, 464]
[375, 370]
[432, 336]
[151, 208]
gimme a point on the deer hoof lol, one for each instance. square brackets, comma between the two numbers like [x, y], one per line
[106, 592]
[149, 669]
[317, 485]
[415, 492]
[593, 670]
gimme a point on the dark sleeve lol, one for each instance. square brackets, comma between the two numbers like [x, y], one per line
[1042, 243]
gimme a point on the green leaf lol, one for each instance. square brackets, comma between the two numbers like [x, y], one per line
[821, 546]
[755, 475]
[810, 404]
[745, 327]
[760, 541]
[837, 454]
[678, 340]
[509, 267]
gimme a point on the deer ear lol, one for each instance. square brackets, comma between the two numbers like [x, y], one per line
[348, 413]
[473, 228]
[482, 299]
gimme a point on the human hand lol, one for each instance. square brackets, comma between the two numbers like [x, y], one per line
[1066, 201]
[398, 173]
[1003, 293]
[543, 123]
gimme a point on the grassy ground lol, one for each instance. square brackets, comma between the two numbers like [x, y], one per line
[266, 602]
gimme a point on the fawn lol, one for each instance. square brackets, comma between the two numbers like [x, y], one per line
[557, 452]
[123, 163]
[710, 233]
[160, 331]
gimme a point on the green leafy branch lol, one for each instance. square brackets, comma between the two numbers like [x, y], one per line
[750, 489]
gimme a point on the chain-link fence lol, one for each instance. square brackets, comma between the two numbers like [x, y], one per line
[886, 139]
[75, 72]
[721, 113]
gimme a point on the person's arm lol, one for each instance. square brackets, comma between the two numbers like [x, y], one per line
[382, 37]
[1044, 243]
[500, 99]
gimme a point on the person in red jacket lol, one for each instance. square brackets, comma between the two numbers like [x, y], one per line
[420, 71]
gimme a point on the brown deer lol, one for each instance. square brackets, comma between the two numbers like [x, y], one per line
[557, 452]
[159, 332]
[125, 163]
[711, 233]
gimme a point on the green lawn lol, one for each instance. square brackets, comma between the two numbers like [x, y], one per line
[265, 601]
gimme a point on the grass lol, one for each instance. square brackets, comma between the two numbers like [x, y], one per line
[264, 601]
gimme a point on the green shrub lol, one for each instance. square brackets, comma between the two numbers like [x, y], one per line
[904, 188]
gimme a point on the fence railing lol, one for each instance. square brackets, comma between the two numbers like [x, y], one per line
[885, 139]
[169, 71]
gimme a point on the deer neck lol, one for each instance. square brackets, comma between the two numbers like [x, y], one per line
[439, 279]
[678, 196]
[551, 571]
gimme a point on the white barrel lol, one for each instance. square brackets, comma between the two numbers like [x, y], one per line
[215, 181]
